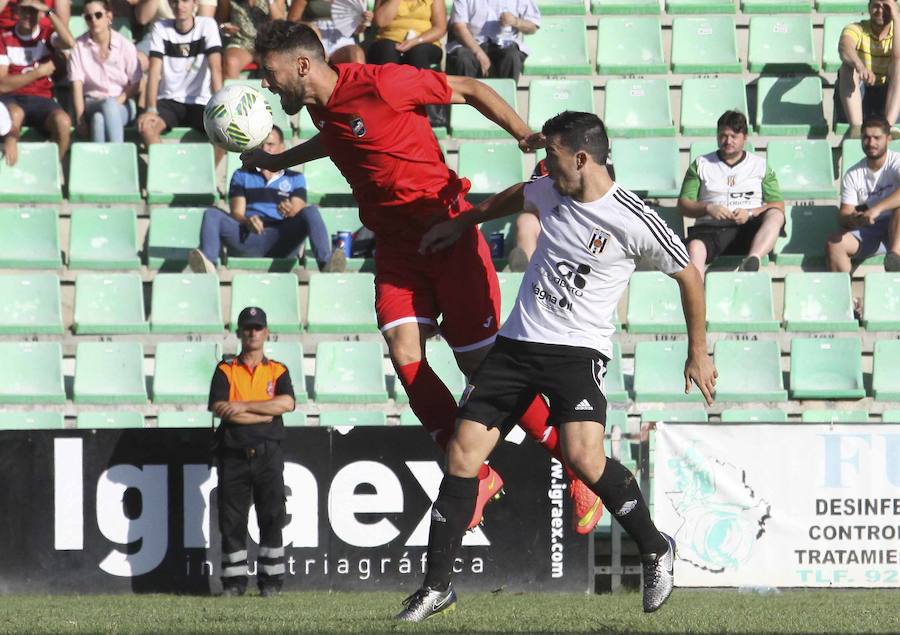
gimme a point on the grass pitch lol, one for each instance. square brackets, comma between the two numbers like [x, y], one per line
[686, 612]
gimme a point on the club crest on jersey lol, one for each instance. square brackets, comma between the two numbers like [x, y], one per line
[357, 126]
[598, 241]
[731, 180]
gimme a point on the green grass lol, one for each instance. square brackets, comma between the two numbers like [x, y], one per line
[686, 612]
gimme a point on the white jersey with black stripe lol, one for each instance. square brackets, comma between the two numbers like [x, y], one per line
[585, 256]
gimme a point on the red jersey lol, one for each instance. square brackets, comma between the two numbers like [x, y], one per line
[8, 15]
[23, 54]
[376, 132]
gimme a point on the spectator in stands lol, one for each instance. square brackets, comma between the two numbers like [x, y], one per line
[238, 20]
[185, 69]
[870, 196]
[25, 69]
[734, 198]
[269, 218]
[9, 135]
[8, 17]
[105, 76]
[337, 38]
[409, 32]
[486, 37]
[869, 78]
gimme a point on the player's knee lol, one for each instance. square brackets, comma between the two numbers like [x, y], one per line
[403, 348]
[587, 462]
[462, 460]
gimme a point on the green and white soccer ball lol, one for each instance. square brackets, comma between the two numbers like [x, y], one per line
[237, 118]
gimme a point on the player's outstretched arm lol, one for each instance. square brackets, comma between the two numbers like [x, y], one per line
[699, 367]
[485, 100]
[301, 153]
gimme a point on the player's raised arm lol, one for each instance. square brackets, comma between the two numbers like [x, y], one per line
[485, 100]
[302, 153]
[698, 368]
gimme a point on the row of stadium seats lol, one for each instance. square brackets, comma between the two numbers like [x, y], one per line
[628, 7]
[113, 303]
[354, 372]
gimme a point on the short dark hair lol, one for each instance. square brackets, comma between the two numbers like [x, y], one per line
[279, 133]
[106, 4]
[580, 131]
[877, 121]
[284, 35]
[733, 119]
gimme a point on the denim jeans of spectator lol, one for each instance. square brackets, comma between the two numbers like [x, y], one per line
[108, 118]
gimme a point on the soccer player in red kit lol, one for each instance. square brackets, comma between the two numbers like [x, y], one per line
[372, 124]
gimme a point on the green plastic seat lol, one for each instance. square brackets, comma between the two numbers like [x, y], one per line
[659, 372]
[638, 108]
[184, 371]
[118, 420]
[30, 304]
[109, 373]
[173, 233]
[831, 37]
[703, 100]
[886, 370]
[32, 420]
[509, 289]
[834, 416]
[654, 304]
[29, 238]
[826, 368]
[780, 44]
[350, 372]
[35, 178]
[290, 353]
[624, 7]
[671, 218]
[739, 302]
[468, 123]
[104, 173]
[842, 6]
[560, 7]
[776, 6]
[614, 382]
[279, 117]
[806, 229]
[676, 415]
[186, 303]
[294, 419]
[699, 6]
[346, 219]
[325, 185]
[277, 294]
[32, 373]
[790, 106]
[881, 309]
[109, 303]
[817, 302]
[629, 45]
[181, 174]
[352, 418]
[558, 48]
[803, 167]
[648, 167]
[549, 97]
[733, 359]
[891, 416]
[754, 415]
[706, 44]
[342, 303]
[103, 238]
[491, 167]
[441, 359]
[409, 418]
[184, 419]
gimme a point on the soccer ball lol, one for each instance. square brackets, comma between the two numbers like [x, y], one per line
[237, 118]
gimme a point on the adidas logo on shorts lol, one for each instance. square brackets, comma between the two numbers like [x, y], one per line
[584, 405]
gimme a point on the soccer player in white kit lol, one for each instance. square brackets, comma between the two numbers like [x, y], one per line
[557, 342]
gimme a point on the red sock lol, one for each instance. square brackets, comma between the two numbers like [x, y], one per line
[534, 423]
[430, 399]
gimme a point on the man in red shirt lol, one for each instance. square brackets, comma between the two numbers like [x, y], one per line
[372, 124]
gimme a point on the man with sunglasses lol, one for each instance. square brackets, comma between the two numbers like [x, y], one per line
[249, 393]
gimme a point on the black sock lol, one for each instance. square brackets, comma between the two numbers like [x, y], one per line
[618, 490]
[450, 515]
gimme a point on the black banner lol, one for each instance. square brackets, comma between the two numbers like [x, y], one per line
[135, 511]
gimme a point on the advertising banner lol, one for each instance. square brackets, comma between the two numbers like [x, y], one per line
[778, 505]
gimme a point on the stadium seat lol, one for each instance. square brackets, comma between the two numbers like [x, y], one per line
[560, 7]
[659, 372]
[30, 304]
[276, 293]
[338, 219]
[806, 229]
[103, 238]
[683, 415]
[624, 7]
[491, 167]
[648, 167]
[886, 370]
[294, 419]
[173, 233]
[629, 45]
[350, 372]
[279, 117]
[739, 302]
[325, 185]
[754, 415]
[614, 382]
[31, 420]
[672, 218]
[32, 373]
[733, 360]
[891, 416]
[818, 302]
[558, 48]
[104, 173]
[854, 7]
[184, 419]
[35, 178]
[290, 353]
[638, 108]
[881, 306]
[654, 304]
[831, 37]
[509, 291]
[781, 44]
[118, 420]
[834, 416]
[409, 418]
[109, 303]
[184, 371]
[109, 373]
[29, 238]
[468, 123]
[706, 44]
[186, 303]
[790, 106]
[441, 359]
[803, 167]
[181, 174]
[826, 368]
[703, 100]
[342, 303]
[699, 6]
[351, 418]
[549, 97]
[776, 6]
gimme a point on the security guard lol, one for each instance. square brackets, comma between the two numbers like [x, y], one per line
[250, 393]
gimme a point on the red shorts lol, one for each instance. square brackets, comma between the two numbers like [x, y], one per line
[459, 284]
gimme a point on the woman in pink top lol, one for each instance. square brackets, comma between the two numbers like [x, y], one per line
[105, 76]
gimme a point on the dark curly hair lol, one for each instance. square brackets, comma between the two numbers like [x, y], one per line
[579, 131]
[283, 35]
